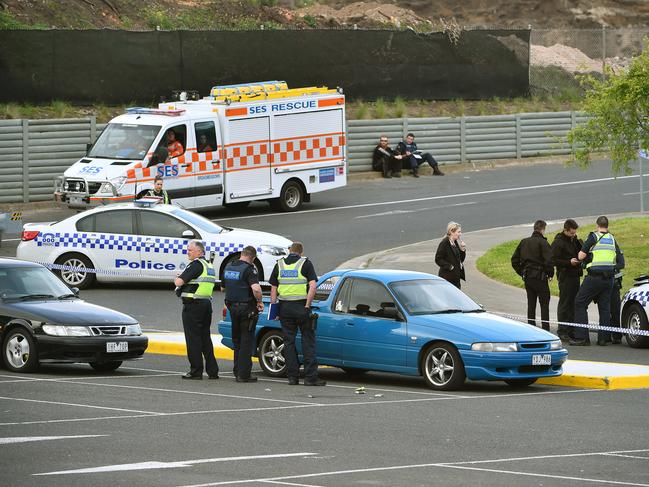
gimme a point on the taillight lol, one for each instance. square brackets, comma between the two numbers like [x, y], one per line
[225, 311]
[28, 235]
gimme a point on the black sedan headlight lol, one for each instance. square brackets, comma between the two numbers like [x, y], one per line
[67, 330]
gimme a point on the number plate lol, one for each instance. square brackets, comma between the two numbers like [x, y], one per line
[75, 200]
[545, 359]
[112, 347]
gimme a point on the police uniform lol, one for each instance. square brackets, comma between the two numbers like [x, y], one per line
[238, 278]
[291, 275]
[604, 257]
[196, 294]
[162, 194]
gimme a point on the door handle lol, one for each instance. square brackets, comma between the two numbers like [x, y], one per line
[148, 243]
[186, 165]
[350, 323]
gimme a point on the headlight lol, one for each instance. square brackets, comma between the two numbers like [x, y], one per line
[133, 330]
[67, 331]
[556, 345]
[273, 250]
[494, 347]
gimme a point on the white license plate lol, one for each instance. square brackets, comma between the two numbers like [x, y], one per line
[112, 347]
[76, 200]
[545, 359]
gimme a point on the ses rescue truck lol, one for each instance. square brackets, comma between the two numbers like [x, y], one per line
[243, 143]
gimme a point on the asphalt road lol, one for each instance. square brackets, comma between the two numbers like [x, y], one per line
[142, 425]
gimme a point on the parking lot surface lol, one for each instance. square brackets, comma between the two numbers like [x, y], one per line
[144, 425]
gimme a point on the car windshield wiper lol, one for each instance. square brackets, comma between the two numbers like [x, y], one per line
[27, 297]
[447, 311]
[67, 296]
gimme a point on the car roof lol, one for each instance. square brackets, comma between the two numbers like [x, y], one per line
[387, 275]
[131, 206]
[6, 262]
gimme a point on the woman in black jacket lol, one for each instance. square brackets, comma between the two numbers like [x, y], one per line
[450, 255]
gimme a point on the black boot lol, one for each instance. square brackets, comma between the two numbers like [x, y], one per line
[415, 172]
[436, 171]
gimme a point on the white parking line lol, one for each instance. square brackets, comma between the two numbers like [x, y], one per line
[456, 465]
[431, 198]
[77, 405]
[29, 439]
[43, 379]
[274, 482]
[417, 210]
[625, 456]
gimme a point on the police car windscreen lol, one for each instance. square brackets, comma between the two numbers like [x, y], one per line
[197, 220]
[124, 141]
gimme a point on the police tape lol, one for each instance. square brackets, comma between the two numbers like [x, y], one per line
[589, 326]
[117, 273]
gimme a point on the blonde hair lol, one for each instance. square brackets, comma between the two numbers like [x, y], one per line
[451, 227]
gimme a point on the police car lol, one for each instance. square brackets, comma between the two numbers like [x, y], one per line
[635, 310]
[140, 241]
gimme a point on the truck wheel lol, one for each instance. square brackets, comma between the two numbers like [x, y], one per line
[76, 277]
[291, 197]
[636, 319]
[19, 351]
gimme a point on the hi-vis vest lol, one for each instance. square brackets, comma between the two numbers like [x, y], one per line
[603, 253]
[165, 197]
[204, 283]
[292, 283]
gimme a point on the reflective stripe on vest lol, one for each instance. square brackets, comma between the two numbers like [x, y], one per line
[603, 253]
[204, 282]
[165, 196]
[292, 283]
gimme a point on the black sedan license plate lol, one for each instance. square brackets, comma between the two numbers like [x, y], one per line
[545, 359]
[114, 347]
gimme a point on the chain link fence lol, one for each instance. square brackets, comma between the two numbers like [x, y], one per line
[559, 56]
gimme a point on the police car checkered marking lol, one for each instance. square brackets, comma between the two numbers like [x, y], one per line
[641, 297]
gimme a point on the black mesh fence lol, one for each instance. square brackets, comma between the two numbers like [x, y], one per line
[122, 67]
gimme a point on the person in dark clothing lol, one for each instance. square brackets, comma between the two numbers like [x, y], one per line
[413, 158]
[565, 248]
[450, 255]
[385, 160]
[293, 283]
[603, 259]
[194, 286]
[532, 260]
[243, 300]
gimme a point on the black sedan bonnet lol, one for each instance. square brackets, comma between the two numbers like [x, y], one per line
[65, 312]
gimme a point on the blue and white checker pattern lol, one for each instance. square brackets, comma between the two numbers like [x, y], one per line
[222, 248]
[167, 246]
[639, 295]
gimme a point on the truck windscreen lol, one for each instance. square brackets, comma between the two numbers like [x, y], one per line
[124, 141]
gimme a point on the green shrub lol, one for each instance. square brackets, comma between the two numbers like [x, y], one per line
[400, 107]
[380, 108]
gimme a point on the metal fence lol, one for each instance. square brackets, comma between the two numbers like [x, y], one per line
[34, 152]
[559, 56]
[466, 139]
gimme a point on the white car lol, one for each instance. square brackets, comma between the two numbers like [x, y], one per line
[635, 310]
[139, 242]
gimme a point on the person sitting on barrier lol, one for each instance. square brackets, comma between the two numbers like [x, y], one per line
[174, 147]
[385, 160]
[413, 158]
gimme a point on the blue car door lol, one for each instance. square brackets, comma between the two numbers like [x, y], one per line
[373, 337]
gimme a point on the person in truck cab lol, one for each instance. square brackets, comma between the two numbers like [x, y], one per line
[174, 147]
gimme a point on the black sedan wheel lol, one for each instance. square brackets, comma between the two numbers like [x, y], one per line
[442, 367]
[106, 366]
[76, 276]
[19, 351]
[271, 354]
[636, 319]
[520, 383]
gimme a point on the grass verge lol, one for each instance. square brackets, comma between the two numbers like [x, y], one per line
[632, 235]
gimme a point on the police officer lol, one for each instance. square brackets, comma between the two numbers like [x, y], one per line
[603, 256]
[532, 260]
[293, 283]
[195, 286]
[158, 192]
[243, 299]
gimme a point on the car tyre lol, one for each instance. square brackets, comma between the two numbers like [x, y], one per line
[271, 355]
[108, 366]
[78, 279]
[19, 351]
[636, 319]
[353, 372]
[442, 367]
[520, 383]
[290, 198]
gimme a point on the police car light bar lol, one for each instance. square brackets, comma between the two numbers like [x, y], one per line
[148, 201]
[154, 111]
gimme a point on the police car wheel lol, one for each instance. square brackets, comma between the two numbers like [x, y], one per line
[291, 197]
[106, 366]
[520, 383]
[75, 277]
[271, 354]
[442, 367]
[19, 351]
[635, 319]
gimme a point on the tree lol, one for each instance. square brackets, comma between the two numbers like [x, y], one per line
[618, 107]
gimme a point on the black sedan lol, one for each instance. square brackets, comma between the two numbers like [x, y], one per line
[44, 321]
